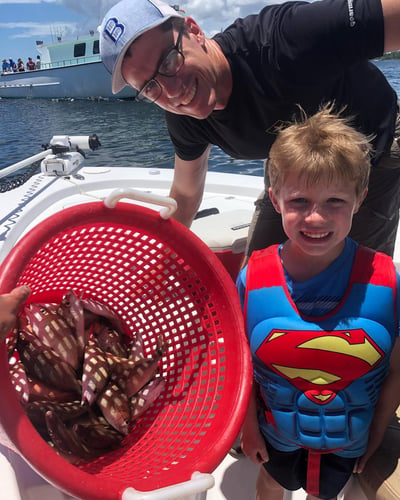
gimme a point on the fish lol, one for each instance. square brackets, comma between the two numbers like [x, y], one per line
[71, 310]
[133, 375]
[110, 339]
[20, 381]
[142, 401]
[65, 439]
[96, 372]
[43, 363]
[114, 405]
[30, 389]
[36, 411]
[11, 342]
[82, 395]
[97, 433]
[53, 331]
[136, 347]
[102, 310]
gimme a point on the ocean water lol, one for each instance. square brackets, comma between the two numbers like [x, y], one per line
[131, 134]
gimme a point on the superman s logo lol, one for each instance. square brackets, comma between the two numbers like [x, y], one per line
[320, 363]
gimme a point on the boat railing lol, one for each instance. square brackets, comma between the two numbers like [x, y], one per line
[71, 62]
[75, 61]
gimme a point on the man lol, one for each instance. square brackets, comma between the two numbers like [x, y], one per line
[234, 89]
[30, 64]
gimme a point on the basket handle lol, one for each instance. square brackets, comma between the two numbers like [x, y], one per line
[198, 483]
[169, 203]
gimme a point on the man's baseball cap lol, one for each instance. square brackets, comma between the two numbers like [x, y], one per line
[122, 24]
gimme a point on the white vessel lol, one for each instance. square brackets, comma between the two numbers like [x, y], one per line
[68, 70]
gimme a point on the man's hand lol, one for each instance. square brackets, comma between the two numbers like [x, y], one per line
[9, 306]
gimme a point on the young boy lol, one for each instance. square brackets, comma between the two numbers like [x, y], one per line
[322, 319]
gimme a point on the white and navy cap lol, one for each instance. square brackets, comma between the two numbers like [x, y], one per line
[123, 23]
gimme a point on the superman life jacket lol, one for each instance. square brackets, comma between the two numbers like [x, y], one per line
[320, 377]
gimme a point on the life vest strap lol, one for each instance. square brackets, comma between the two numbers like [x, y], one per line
[313, 473]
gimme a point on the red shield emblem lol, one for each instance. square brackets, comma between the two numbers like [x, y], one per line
[320, 363]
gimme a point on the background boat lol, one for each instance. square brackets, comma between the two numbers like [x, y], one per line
[69, 69]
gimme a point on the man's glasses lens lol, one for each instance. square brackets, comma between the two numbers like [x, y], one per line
[170, 66]
[150, 92]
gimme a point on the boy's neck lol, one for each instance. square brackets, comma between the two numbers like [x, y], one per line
[302, 267]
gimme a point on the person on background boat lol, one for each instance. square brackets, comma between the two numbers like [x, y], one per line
[13, 66]
[231, 90]
[322, 319]
[30, 65]
[9, 306]
[5, 66]
[20, 65]
[38, 62]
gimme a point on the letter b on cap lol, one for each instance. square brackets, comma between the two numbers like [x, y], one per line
[114, 29]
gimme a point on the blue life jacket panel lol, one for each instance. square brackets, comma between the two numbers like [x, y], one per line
[320, 377]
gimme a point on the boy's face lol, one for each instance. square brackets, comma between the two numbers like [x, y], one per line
[316, 218]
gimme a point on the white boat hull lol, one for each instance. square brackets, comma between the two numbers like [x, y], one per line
[81, 81]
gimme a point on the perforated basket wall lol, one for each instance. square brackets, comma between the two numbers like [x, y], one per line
[160, 279]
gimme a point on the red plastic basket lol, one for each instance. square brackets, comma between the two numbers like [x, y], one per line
[158, 277]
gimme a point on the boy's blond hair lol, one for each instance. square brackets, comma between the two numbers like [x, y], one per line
[321, 147]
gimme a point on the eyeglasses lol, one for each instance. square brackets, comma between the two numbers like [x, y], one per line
[170, 66]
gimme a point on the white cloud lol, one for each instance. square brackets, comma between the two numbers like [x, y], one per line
[211, 15]
[29, 29]
[29, 1]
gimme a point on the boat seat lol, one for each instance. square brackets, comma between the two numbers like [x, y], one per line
[380, 479]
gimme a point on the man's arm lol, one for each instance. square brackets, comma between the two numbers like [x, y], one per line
[188, 186]
[391, 14]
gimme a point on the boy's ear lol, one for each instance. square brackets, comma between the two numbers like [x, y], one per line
[362, 198]
[274, 200]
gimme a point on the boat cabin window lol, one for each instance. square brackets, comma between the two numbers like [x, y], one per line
[96, 48]
[79, 49]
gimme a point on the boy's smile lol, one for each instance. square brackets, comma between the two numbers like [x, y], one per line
[316, 218]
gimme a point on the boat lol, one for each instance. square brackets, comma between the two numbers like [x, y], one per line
[69, 69]
[222, 223]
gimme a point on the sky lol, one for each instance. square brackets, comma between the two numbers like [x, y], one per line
[22, 22]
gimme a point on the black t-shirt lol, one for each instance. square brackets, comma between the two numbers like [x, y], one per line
[292, 54]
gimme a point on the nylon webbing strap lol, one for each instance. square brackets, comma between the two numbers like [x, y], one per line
[313, 470]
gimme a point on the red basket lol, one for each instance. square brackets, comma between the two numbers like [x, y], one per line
[159, 278]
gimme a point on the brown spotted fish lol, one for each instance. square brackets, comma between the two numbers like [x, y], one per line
[96, 433]
[81, 380]
[29, 389]
[110, 339]
[53, 331]
[71, 310]
[102, 310]
[36, 411]
[20, 381]
[43, 363]
[96, 372]
[115, 407]
[65, 439]
[146, 397]
[132, 375]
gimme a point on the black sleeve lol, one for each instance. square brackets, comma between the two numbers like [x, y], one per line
[186, 136]
[303, 39]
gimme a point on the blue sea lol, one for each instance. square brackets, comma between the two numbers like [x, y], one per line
[131, 134]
